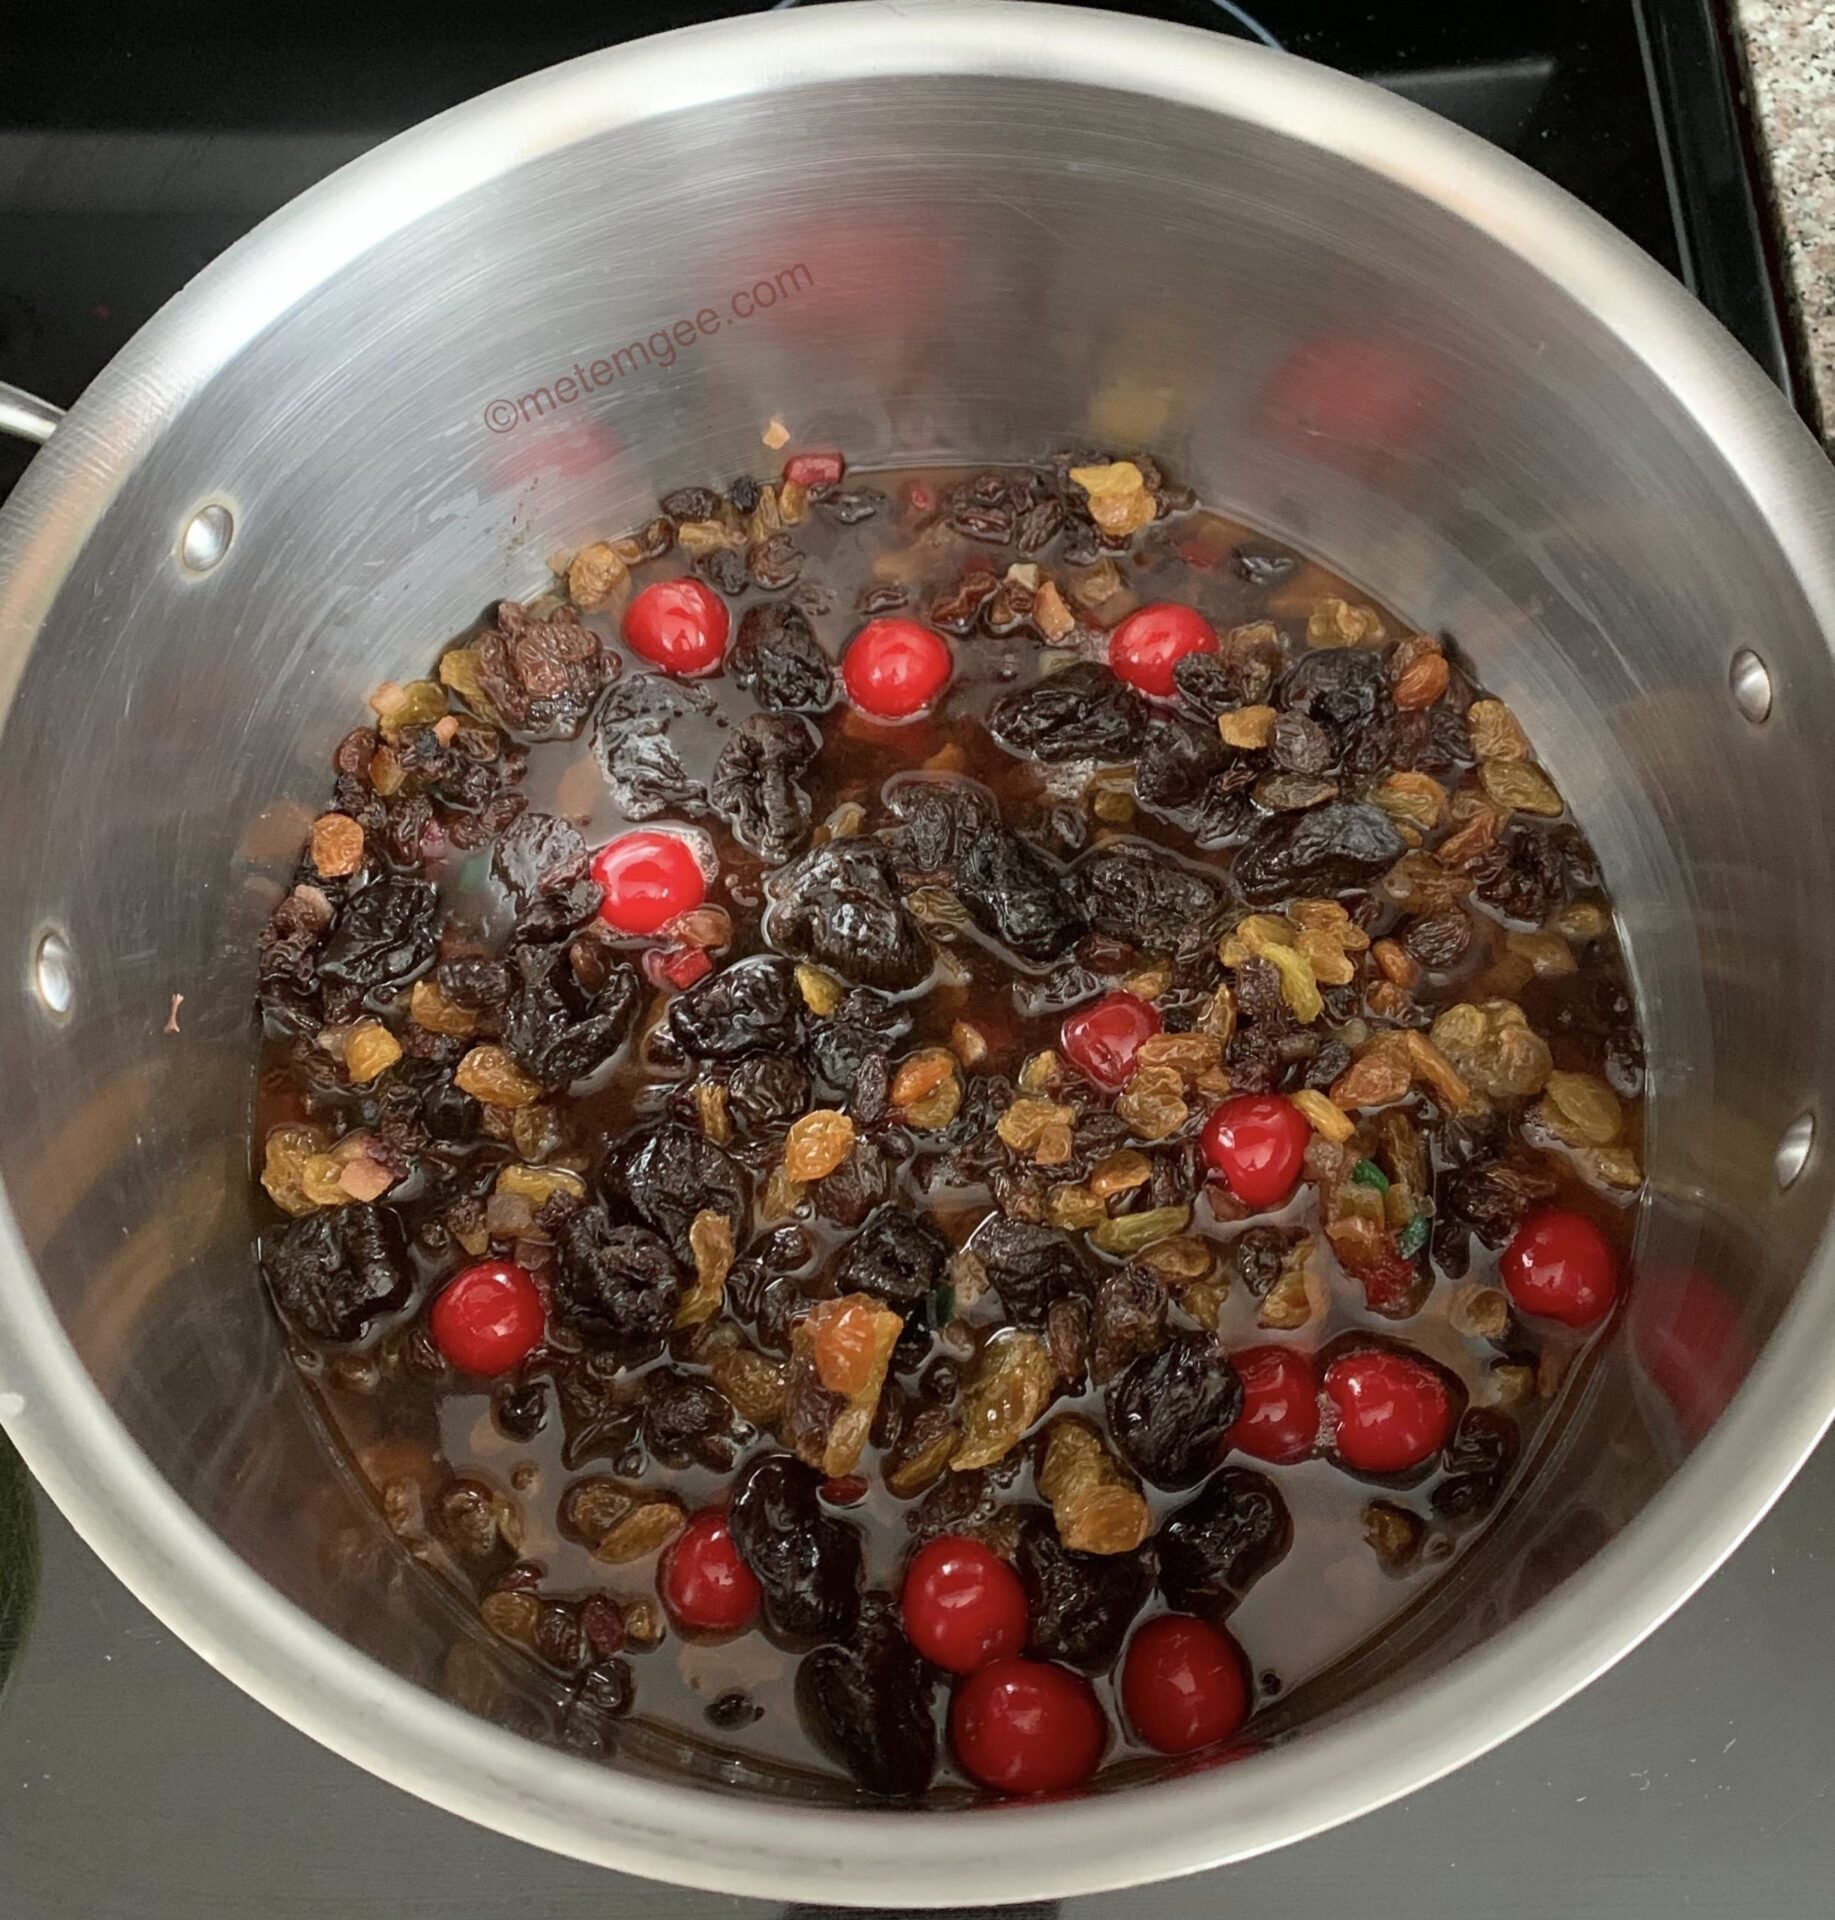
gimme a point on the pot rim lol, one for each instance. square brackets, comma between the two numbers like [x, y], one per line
[214, 1601]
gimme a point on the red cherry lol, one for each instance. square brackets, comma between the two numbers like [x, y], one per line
[1184, 1684]
[963, 1605]
[1280, 1405]
[1394, 1410]
[1560, 1266]
[1102, 1040]
[1026, 1726]
[894, 669]
[1147, 645]
[1257, 1142]
[678, 625]
[702, 1581]
[648, 879]
[488, 1318]
[814, 469]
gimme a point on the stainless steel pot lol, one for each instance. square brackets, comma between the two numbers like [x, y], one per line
[916, 232]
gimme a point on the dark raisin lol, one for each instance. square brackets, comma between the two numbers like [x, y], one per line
[1262, 568]
[994, 525]
[1030, 1266]
[1438, 940]
[898, 1256]
[956, 608]
[333, 1272]
[848, 506]
[779, 659]
[383, 936]
[750, 1006]
[887, 597]
[603, 1695]
[669, 1175]
[1018, 896]
[620, 1284]
[724, 569]
[865, 1023]
[1067, 1340]
[775, 562]
[478, 984]
[542, 674]
[756, 785]
[841, 907]
[1332, 1060]
[1081, 1604]
[600, 1416]
[808, 1561]
[1521, 876]
[872, 1093]
[1330, 849]
[635, 753]
[1216, 1546]
[867, 1707]
[558, 1638]
[1477, 1461]
[1130, 889]
[691, 503]
[689, 1422]
[855, 1188]
[1170, 1409]
[1129, 1320]
[1343, 688]
[465, 1519]
[1038, 525]
[519, 1409]
[1079, 713]
[1491, 1196]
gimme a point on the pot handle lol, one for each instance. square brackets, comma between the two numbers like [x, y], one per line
[25, 416]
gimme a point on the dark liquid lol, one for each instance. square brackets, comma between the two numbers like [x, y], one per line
[1331, 1592]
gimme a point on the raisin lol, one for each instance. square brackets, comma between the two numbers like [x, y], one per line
[1038, 526]
[751, 1006]
[756, 787]
[858, 1185]
[689, 1422]
[601, 1696]
[553, 1027]
[1030, 1266]
[1491, 1196]
[1216, 1546]
[1080, 713]
[848, 506]
[1081, 1604]
[1129, 889]
[1018, 896]
[670, 1174]
[724, 569]
[542, 674]
[1477, 1461]
[808, 1562]
[477, 984]
[332, 1272]
[867, 1706]
[1438, 940]
[1329, 849]
[777, 657]
[1261, 568]
[1129, 1320]
[733, 1711]
[519, 1410]
[841, 907]
[767, 1091]
[383, 937]
[775, 562]
[955, 610]
[1521, 875]
[635, 753]
[615, 1283]
[1170, 1409]
[691, 503]
[898, 1257]
[1301, 745]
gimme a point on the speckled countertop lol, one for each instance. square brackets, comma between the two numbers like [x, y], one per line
[1789, 48]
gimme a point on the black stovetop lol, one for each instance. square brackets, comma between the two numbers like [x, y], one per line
[134, 147]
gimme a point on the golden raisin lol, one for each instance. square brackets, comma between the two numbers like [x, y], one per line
[539, 1185]
[1583, 1109]
[753, 1382]
[711, 1108]
[597, 576]
[1417, 798]
[1120, 1172]
[1495, 732]
[1336, 623]
[1422, 681]
[1153, 1103]
[927, 1088]
[337, 845]
[821, 991]
[1187, 1054]
[1133, 1233]
[1183, 1261]
[967, 1044]
[1325, 1118]
[1249, 728]
[369, 1050]
[428, 1007]
[285, 1155]
[1008, 1390]
[1399, 966]
[1493, 1048]
[489, 1075]
[710, 1239]
[852, 1339]
[652, 1524]
[1097, 1506]
[1118, 497]
[1024, 1123]
[1049, 613]
[1520, 785]
[1075, 1209]
[817, 1144]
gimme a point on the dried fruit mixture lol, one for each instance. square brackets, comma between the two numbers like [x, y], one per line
[955, 1123]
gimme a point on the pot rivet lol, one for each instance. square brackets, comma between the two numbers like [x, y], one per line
[207, 537]
[1794, 1149]
[1750, 679]
[54, 974]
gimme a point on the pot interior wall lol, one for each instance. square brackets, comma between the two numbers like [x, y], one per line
[981, 269]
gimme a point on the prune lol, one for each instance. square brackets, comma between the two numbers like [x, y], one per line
[1301, 745]
[556, 1029]
[1215, 1547]
[1177, 762]
[778, 658]
[619, 1284]
[1331, 849]
[1170, 1409]
[1438, 940]
[751, 1006]
[542, 674]
[858, 1185]
[632, 745]
[1030, 1266]
[600, 1415]
[332, 1272]
[1343, 688]
[383, 936]
[864, 1023]
[898, 1256]
[1079, 713]
[1018, 896]
[689, 1422]
[766, 1091]
[841, 907]
[669, 1175]
[756, 789]
[808, 1562]
[1130, 889]
[1081, 1604]
[867, 1706]
[1477, 1461]
[1129, 1320]
[939, 819]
